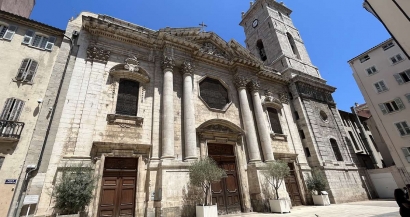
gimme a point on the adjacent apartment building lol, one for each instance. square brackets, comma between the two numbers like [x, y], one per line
[395, 16]
[27, 58]
[383, 76]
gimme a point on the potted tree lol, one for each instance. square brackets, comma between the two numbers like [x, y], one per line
[202, 173]
[316, 184]
[74, 190]
[275, 173]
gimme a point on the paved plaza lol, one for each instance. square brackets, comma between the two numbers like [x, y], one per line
[376, 208]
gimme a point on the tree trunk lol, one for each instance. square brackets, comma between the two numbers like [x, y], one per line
[206, 195]
[277, 195]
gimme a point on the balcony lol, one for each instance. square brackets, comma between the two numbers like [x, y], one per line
[10, 131]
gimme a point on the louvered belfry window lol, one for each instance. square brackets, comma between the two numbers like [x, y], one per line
[27, 70]
[12, 109]
[127, 100]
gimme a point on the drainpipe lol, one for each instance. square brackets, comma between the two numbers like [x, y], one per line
[27, 177]
[364, 137]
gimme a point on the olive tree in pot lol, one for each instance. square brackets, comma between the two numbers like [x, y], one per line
[275, 174]
[202, 173]
[74, 190]
[316, 184]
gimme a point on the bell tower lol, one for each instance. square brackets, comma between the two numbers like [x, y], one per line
[271, 36]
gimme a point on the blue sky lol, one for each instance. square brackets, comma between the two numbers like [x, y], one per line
[334, 31]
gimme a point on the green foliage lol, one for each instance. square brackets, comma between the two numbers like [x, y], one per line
[202, 173]
[317, 182]
[275, 173]
[74, 190]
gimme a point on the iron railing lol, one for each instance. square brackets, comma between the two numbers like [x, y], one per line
[11, 129]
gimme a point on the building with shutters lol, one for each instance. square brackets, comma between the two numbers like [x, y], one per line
[27, 58]
[139, 105]
[383, 76]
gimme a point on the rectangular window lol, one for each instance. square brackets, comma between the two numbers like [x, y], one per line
[380, 86]
[39, 41]
[388, 46]
[406, 152]
[403, 128]
[395, 59]
[372, 70]
[7, 32]
[364, 59]
[27, 70]
[392, 106]
[307, 152]
[274, 120]
[12, 109]
[1, 161]
[402, 77]
[127, 99]
[302, 134]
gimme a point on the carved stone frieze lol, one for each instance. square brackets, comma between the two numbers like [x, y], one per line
[168, 63]
[240, 81]
[96, 54]
[284, 97]
[311, 92]
[211, 49]
[218, 128]
[254, 85]
[187, 67]
[132, 64]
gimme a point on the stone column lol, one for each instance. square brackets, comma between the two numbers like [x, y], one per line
[168, 109]
[247, 119]
[263, 130]
[189, 113]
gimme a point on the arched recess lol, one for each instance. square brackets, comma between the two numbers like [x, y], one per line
[336, 149]
[130, 70]
[261, 50]
[293, 45]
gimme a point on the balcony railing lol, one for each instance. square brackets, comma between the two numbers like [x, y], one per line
[10, 130]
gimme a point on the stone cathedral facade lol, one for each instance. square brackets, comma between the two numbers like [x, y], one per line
[140, 105]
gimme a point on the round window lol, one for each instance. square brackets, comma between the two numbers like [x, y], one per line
[323, 115]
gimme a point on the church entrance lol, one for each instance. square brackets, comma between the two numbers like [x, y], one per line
[292, 187]
[118, 187]
[225, 193]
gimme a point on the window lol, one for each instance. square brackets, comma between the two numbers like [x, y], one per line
[307, 152]
[12, 109]
[39, 41]
[127, 100]
[372, 70]
[354, 141]
[374, 143]
[293, 45]
[388, 46]
[402, 77]
[396, 59]
[1, 161]
[336, 150]
[297, 115]
[27, 70]
[392, 106]
[302, 134]
[403, 128]
[408, 97]
[364, 59]
[380, 86]
[406, 152]
[274, 120]
[7, 32]
[261, 50]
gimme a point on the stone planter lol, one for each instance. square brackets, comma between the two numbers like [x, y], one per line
[207, 211]
[279, 206]
[321, 200]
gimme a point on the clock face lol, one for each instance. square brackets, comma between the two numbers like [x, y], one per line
[255, 23]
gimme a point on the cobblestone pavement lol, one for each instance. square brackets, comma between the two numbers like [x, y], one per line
[375, 208]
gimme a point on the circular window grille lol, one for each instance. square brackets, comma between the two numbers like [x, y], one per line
[323, 115]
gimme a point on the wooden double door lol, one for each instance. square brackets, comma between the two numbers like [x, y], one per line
[292, 187]
[225, 193]
[118, 188]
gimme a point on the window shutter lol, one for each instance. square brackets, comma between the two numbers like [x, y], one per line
[379, 89]
[399, 58]
[31, 71]
[22, 69]
[3, 30]
[406, 153]
[16, 111]
[408, 73]
[408, 97]
[383, 108]
[398, 78]
[27, 38]
[399, 103]
[10, 32]
[6, 109]
[382, 85]
[50, 43]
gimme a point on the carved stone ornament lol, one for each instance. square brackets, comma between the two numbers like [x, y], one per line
[95, 54]
[284, 97]
[132, 64]
[254, 85]
[168, 63]
[269, 98]
[187, 68]
[219, 128]
[211, 49]
[240, 81]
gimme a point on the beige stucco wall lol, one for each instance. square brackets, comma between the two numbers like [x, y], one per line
[11, 55]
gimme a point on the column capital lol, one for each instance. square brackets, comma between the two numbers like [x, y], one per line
[187, 68]
[240, 82]
[254, 85]
[168, 63]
